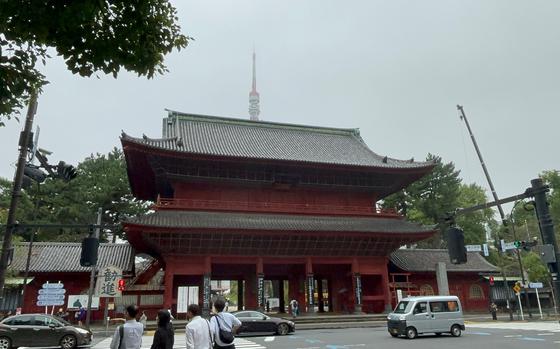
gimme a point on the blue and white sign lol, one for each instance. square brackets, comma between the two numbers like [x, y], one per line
[51, 295]
[535, 285]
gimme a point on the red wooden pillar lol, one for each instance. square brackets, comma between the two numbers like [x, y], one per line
[168, 285]
[357, 286]
[386, 290]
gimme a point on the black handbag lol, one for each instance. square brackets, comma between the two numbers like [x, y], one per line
[226, 337]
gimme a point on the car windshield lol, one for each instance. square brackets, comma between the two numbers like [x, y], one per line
[402, 307]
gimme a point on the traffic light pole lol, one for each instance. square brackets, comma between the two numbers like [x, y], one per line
[93, 271]
[24, 141]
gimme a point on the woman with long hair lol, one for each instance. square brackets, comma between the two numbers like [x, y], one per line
[164, 336]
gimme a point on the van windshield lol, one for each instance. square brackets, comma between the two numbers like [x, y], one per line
[403, 307]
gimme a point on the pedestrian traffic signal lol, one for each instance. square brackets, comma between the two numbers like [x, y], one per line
[90, 245]
[121, 285]
[456, 246]
[491, 280]
[65, 171]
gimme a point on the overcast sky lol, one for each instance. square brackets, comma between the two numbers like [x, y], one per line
[393, 69]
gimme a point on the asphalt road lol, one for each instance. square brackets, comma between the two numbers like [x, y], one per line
[538, 336]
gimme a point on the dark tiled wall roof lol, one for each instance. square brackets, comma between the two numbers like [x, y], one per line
[417, 260]
[49, 257]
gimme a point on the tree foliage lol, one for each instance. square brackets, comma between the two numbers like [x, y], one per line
[430, 199]
[101, 182]
[91, 35]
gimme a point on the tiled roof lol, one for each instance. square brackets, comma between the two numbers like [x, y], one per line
[284, 222]
[218, 136]
[50, 257]
[417, 260]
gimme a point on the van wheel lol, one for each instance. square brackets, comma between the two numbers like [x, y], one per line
[456, 331]
[411, 333]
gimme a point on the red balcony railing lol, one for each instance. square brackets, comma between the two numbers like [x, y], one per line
[271, 207]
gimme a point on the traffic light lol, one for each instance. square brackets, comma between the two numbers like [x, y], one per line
[121, 285]
[65, 171]
[90, 245]
[34, 173]
[456, 246]
[526, 245]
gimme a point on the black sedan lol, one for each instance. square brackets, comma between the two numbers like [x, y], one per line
[40, 330]
[254, 322]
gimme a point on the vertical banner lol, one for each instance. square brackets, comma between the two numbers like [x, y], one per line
[310, 290]
[260, 291]
[485, 250]
[358, 288]
[206, 293]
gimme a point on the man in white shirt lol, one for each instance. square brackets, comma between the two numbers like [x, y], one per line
[131, 331]
[197, 330]
[223, 321]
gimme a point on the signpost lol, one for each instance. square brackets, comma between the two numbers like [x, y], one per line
[517, 289]
[536, 286]
[51, 295]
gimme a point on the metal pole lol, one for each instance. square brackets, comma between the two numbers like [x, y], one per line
[28, 262]
[520, 306]
[539, 302]
[93, 270]
[24, 142]
[491, 185]
[521, 270]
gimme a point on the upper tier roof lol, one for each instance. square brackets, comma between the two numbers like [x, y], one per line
[239, 138]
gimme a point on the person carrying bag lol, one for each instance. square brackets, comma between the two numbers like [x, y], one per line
[223, 326]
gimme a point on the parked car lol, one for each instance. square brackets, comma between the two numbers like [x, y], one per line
[255, 322]
[432, 314]
[40, 330]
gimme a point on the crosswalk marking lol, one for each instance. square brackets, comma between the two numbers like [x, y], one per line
[180, 342]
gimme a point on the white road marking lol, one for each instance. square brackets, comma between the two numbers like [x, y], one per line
[513, 336]
[545, 334]
[180, 343]
[270, 339]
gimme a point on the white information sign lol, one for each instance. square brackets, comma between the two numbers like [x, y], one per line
[536, 285]
[273, 302]
[474, 248]
[78, 301]
[108, 282]
[186, 295]
[485, 249]
[507, 246]
[51, 295]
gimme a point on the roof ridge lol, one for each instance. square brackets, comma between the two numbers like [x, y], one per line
[260, 123]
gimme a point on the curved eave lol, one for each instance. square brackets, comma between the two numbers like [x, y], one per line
[142, 177]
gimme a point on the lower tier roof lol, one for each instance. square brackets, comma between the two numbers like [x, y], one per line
[281, 222]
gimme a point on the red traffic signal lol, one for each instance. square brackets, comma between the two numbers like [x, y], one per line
[491, 279]
[121, 285]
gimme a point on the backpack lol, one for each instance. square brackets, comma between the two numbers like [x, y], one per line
[226, 337]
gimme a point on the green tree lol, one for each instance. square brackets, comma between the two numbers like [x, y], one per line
[535, 268]
[474, 224]
[429, 199]
[91, 35]
[101, 182]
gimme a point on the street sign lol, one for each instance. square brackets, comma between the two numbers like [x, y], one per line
[51, 295]
[474, 248]
[49, 303]
[506, 246]
[52, 291]
[108, 282]
[516, 288]
[535, 285]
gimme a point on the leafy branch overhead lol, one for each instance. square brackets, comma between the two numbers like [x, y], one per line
[91, 35]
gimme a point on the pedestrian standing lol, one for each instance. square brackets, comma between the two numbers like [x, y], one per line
[81, 316]
[223, 326]
[295, 307]
[128, 335]
[493, 310]
[199, 335]
[144, 319]
[164, 336]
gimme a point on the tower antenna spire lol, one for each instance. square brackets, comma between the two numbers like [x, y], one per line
[254, 98]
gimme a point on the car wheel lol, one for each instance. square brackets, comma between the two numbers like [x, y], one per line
[68, 342]
[283, 329]
[5, 343]
[456, 331]
[411, 333]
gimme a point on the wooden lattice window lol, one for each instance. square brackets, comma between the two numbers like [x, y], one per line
[476, 292]
[426, 290]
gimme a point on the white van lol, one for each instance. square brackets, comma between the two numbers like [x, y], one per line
[430, 314]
